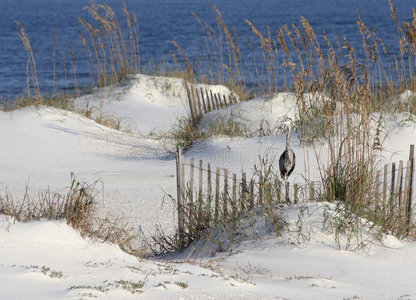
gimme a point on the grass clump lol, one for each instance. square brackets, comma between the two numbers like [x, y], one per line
[226, 126]
[131, 286]
[76, 207]
[186, 132]
[190, 130]
[51, 273]
[183, 285]
[102, 289]
[79, 208]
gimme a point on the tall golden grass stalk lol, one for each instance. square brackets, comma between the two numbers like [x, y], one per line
[31, 63]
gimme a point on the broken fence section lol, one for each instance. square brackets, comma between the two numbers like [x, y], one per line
[202, 100]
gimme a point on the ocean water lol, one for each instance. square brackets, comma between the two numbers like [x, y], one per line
[162, 21]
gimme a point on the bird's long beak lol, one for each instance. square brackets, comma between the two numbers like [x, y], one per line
[288, 121]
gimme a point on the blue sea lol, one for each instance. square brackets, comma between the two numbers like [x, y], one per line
[162, 21]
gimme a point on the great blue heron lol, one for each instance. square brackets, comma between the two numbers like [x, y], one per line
[287, 159]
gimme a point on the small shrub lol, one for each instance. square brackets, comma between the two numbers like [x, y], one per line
[51, 273]
[186, 132]
[225, 126]
[182, 284]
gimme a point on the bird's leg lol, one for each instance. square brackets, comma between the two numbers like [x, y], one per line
[287, 191]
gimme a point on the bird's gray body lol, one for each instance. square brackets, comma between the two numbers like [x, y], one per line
[287, 163]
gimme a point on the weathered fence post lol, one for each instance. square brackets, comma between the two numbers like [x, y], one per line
[200, 200]
[194, 103]
[287, 189]
[200, 108]
[208, 101]
[251, 194]
[234, 197]
[392, 195]
[209, 194]
[216, 101]
[400, 188]
[377, 191]
[393, 175]
[190, 101]
[203, 101]
[225, 100]
[406, 189]
[191, 207]
[180, 194]
[410, 186]
[219, 100]
[312, 191]
[384, 191]
[217, 194]
[295, 193]
[198, 100]
[260, 200]
[243, 200]
[225, 195]
[212, 99]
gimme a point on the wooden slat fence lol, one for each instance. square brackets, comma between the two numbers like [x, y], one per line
[213, 196]
[202, 100]
[395, 185]
[219, 196]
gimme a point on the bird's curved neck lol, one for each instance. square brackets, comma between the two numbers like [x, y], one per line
[288, 136]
